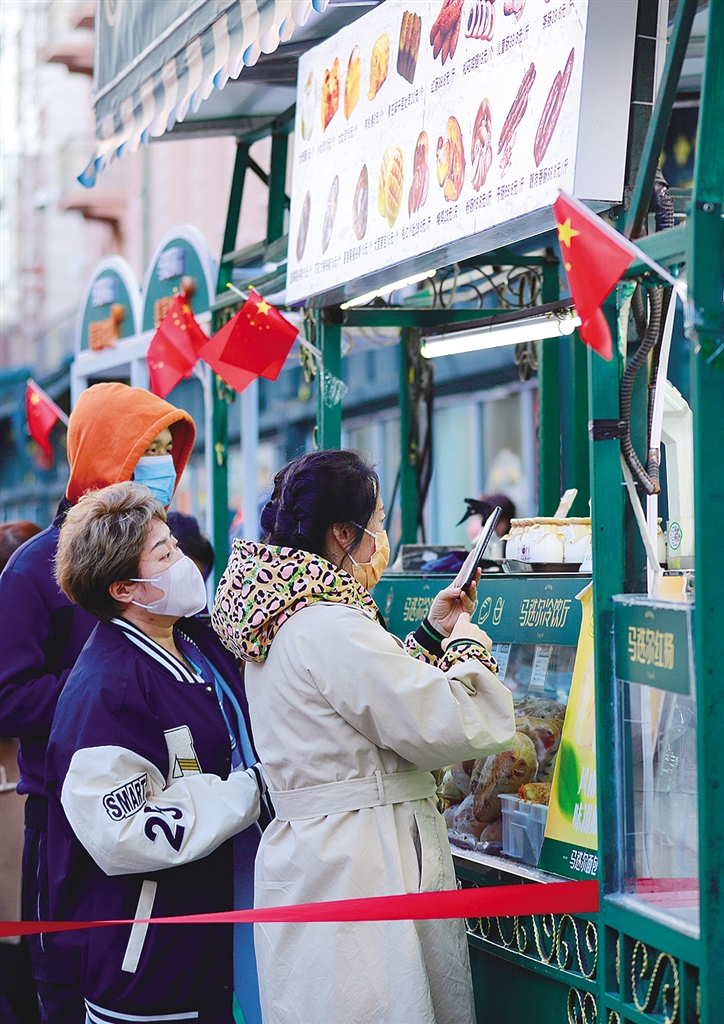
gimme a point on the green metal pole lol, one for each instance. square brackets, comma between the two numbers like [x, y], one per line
[576, 469]
[233, 213]
[642, 86]
[659, 123]
[705, 326]
[277, 181]
[607, 512]
[220, 474]
[219, 439]
[408, 441]
[329, 417]
[549, 406]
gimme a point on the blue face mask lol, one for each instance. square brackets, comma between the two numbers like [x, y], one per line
[158, 473]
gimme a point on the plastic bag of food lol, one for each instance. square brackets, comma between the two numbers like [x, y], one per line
[545, 734]
[539, 707]
[503, 773]
[464, 821]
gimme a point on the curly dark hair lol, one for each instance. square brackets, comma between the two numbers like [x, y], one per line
[316, 491]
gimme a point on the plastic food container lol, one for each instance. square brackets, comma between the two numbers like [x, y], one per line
[514, 542]
[576, 539]
[523, 827]
[535, 540]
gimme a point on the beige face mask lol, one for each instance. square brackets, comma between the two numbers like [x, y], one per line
[368, 573]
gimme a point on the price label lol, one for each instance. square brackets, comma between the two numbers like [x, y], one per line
[540, 667]
[501, 653]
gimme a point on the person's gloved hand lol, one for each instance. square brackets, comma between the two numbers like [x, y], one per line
[449, 604]
[464, 629]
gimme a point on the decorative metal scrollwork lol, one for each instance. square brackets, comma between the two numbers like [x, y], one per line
[658, 989]
[513, 287]
[526, 359]
[545, 934]
[564, 941]
[614, 1017]
[584, 946]
[582, 1007]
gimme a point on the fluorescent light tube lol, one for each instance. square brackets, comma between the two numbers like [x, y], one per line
[362, 300]
[515, 332]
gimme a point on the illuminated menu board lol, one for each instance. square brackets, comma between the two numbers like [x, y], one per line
[428, 121]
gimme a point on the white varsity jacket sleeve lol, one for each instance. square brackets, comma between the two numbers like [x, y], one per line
[129, 820]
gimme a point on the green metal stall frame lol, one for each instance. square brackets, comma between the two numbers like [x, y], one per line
[617, 966]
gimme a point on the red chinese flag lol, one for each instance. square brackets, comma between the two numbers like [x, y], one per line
[595, 256]
[43, 414]
[174, 348]
[258, 338]
[211, 354]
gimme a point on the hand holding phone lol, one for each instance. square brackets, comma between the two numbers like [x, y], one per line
[472, 563]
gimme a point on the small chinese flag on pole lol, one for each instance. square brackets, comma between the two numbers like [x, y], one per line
[174, 348]
[595, 257]
[258, 338]
[43, 414]
[235, 377]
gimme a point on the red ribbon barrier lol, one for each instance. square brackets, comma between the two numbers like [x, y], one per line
[494, 901]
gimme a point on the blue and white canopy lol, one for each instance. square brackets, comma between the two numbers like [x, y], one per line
[156, 60]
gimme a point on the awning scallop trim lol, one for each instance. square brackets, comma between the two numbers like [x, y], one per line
[234, 41]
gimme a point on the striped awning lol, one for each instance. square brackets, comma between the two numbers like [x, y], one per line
[206, 61]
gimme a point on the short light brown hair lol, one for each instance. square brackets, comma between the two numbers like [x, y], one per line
[101, 542]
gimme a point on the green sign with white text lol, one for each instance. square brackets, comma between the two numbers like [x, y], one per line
[653, 644]
[527, 609]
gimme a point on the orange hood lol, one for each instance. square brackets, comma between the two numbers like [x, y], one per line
[110, 428]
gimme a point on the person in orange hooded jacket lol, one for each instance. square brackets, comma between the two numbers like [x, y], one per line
[116, 433]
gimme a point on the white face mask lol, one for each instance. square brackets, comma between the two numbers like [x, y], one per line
[184, 590]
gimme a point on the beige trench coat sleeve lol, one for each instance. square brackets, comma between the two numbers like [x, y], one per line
[429, 717]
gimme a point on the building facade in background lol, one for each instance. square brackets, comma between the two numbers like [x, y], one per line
[53, 231]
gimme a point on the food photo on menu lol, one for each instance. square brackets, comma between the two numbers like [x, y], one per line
[424, 123]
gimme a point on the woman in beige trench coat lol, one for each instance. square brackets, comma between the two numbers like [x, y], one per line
[349, 723]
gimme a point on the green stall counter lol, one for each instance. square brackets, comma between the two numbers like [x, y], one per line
[549, 962]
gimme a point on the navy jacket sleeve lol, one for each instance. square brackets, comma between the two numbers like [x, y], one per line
[41, 636]
[28, 690]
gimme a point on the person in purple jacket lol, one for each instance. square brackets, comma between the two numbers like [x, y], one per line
[150, 773]
[116, 432]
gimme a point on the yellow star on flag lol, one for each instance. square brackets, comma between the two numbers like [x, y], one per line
[34, 399]
[263, 306]
[566, 232]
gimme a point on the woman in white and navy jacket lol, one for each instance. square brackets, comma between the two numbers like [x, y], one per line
[151, 772]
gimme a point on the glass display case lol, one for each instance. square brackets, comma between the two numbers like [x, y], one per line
[658, 869]
[534, 622]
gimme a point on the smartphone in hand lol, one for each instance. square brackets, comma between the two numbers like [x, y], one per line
[471, 564]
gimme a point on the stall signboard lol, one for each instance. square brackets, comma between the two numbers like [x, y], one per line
[182, 262]
[426, 123]
[111, 308]
[652, 643]
[570, 845]
[535, 609]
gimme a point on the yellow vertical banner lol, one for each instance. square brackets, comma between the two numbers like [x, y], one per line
[570, 846]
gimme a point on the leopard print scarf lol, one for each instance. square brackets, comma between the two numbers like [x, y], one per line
[263, 585]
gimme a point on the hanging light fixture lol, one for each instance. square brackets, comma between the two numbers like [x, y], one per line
[378, 293]
[552, 324]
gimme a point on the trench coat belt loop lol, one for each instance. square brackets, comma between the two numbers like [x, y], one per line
[352, 795]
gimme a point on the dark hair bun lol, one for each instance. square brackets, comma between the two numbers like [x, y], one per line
[281, 524]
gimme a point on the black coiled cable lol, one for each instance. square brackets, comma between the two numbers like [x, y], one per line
[650, 328]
